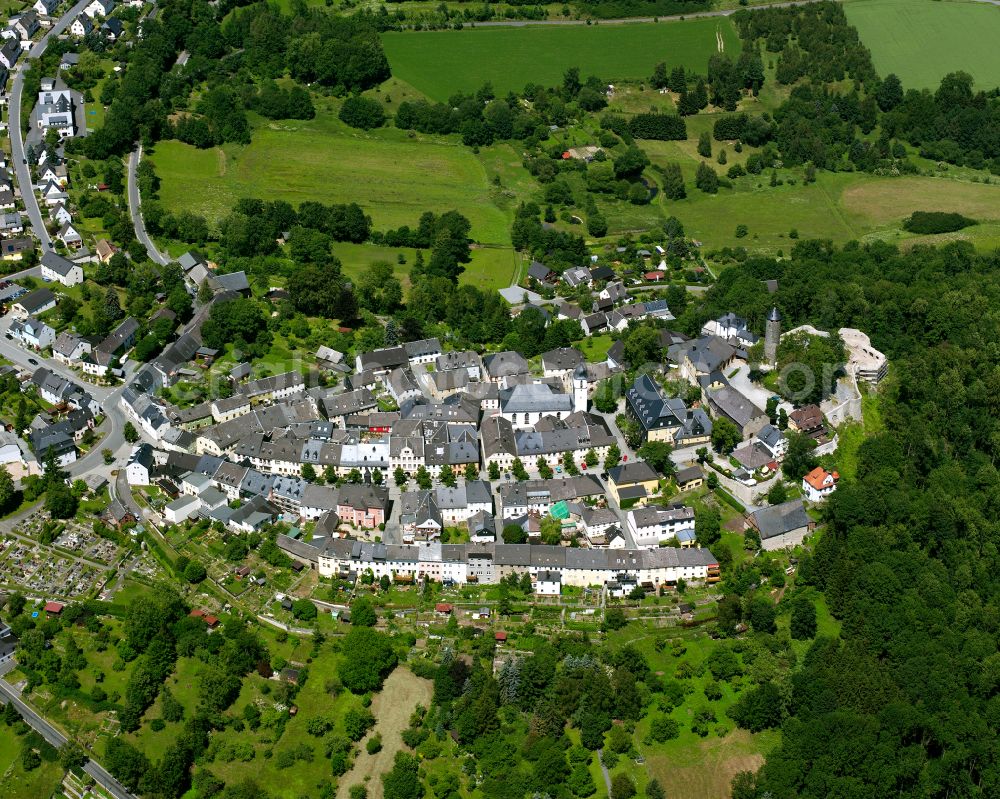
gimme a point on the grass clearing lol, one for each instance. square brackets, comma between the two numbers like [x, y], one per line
[440, 63]
[924, 40]
[392, 707]
[394, 177]
[703, 768]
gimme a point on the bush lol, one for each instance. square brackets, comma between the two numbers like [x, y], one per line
[357, 721]
[362, 112]
[930, 222]
[374, 744]
[664, 728]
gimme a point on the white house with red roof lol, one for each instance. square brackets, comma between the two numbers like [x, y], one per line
[819, 484]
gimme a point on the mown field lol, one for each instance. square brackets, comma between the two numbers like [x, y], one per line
[440, 63]
[395, 178]
[924, 40]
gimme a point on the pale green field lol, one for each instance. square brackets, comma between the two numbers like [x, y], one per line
[392, 176]
[923, 40]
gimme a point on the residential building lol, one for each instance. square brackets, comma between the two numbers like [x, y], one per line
[99, 8]
[55, 111]
[46, 8]
[34, 303]
[26, 25]
[665, 419]
[819, 484]
[70, 236]
[650, 526]
[782, 526]
[139, 468]
[56, 267]
[33, 333]
[362, 505]
[638, 476]
[69, 348]
[548, 583]
[489, 563]
[13, 249]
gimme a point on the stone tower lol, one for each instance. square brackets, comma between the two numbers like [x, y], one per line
[580, 388]
[772, 334]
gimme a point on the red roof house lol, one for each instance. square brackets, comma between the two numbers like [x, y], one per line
[442, 607]
[500, 636]
[53, 608]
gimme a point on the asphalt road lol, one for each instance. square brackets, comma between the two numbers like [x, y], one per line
[57, 739]
[21, 170]
[135, 210]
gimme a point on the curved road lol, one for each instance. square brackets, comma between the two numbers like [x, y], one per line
[135, 210]
[21, 170]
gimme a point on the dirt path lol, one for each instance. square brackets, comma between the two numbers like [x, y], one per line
[392, 707]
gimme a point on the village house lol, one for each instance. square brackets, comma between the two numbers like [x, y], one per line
[650, 526]
[62, 270]
[34, 303]
[819, 484]
[632, 483]
[665, 419]
[781, 526]
[32, 333]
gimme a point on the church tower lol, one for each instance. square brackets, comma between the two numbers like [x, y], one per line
[772, 334]
[580, 389]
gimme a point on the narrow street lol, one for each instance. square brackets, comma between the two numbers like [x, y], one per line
[21, 169]
[55, 737]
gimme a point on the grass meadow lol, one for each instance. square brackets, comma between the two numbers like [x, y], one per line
[440, 63]
[392, 176]
[924, 40]
[840, 206]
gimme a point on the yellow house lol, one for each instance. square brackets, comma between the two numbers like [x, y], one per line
[632, 482]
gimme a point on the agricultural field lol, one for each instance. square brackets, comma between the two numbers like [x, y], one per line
[395, 177]
[440, 63]
[924, 40]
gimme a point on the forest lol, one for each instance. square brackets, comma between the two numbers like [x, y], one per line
[907, 702]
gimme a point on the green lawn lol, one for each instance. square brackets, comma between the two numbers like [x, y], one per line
[440, 63]
[393, 176]
[924, 40]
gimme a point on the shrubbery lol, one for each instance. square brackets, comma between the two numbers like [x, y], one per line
[930, 222]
